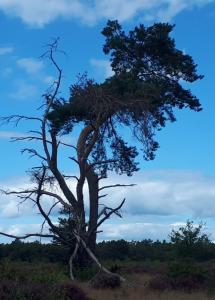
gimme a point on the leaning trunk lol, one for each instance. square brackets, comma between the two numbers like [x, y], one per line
[92, 179]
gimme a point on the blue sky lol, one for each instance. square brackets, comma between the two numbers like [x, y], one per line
[180, 182]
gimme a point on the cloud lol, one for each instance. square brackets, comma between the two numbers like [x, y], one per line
[48, 79]
[39, 13]
[103, 67]
[12, 206]
[11, 134]
[136, 231]
[167, 193]
[161, 201]
[129, 231]
[24, 90]
[21, 230]
[30, 65]
[5, 50]
[139, 231]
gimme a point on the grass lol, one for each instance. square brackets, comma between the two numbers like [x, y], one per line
[136, 287]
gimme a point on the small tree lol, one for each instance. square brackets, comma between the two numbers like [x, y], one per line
[141, 95]
[189, 239]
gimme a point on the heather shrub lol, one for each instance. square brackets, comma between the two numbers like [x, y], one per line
[187, 268]
[187, 275]
[181, 275]
[12, 290]
[103, 280]
[27, 272]
[71, 292]
[159, 283]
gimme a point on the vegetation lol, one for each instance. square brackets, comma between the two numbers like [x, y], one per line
[157, 269]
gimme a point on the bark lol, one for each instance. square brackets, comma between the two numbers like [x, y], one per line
[92, 180]
[71, 260]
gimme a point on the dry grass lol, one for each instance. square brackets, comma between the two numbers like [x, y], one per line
[137, 290]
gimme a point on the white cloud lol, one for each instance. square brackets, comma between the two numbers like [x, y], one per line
[11, 134]
[166, 193]
[5, 50]
[140, 230]
[103, 66]
[24, 91]
[39, 13]
[21, 230]
[30, 65]
[162, 200]
[49, 79]
[135, 231]
[12, 206]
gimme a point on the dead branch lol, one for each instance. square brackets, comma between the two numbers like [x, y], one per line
[71, 260]
[102, 196]
[67, 145]
[27, 235]
[94, 258]
[107, 212]
[17, 118]
[48, 214]
[116, 185]
[33, 153]
[28, 138]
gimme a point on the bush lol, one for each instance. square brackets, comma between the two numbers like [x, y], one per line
[27, 272]
[187, 275]
[12, 290]
[103, 280]
[160, 283]
[181, 275]
[71, 292]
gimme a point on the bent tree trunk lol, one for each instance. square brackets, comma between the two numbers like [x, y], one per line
[92, 180]
[80, 258]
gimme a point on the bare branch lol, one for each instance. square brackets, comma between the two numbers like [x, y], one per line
[28, 138]
[60, 200]
[71, 260]
[107, 215]
[73, 159]
[67, 145]
[116, 185]
[27, 235]
[94, 258]
[33, 153]
[102, 196]
[49, 212]
[17, 118]
[8, 192]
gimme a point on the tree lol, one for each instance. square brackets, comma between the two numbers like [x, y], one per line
[141, 95]
[189, 240]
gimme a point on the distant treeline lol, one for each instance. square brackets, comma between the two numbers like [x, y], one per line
[106, 250]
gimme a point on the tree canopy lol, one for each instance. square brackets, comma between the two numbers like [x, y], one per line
[146, 86]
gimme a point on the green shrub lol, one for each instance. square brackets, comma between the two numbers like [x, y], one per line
[187, 275]
[28, 272]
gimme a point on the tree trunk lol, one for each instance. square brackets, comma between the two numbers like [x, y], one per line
[92, 179]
